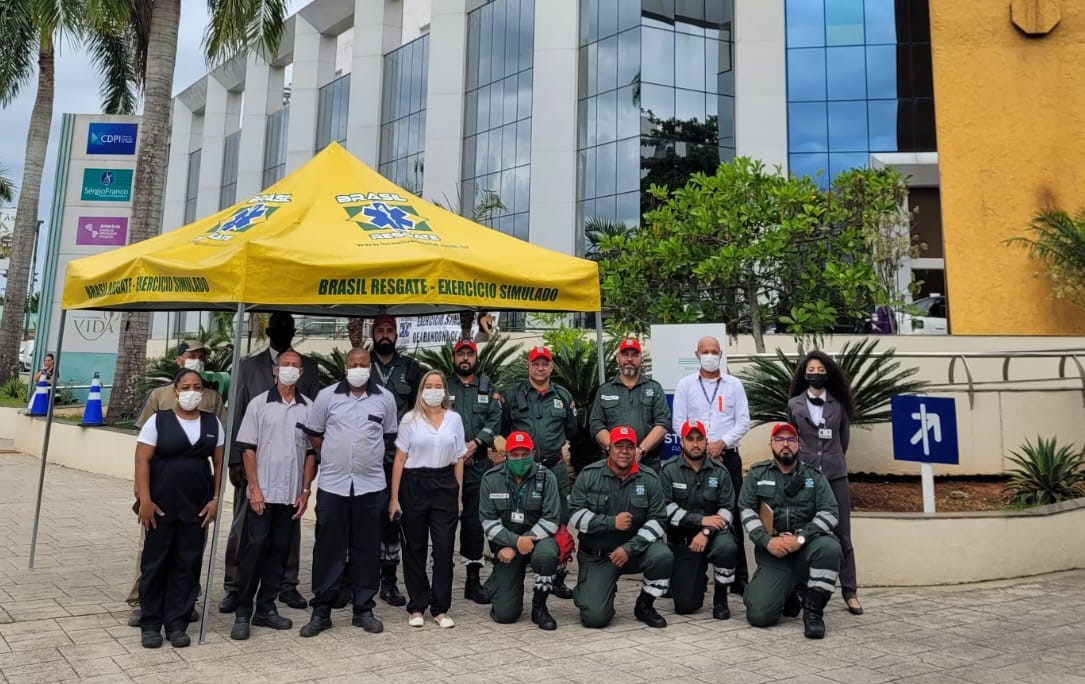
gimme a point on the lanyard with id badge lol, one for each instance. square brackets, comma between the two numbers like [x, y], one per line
[715, 402]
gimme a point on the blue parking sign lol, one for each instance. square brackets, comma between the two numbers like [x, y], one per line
[924, 429]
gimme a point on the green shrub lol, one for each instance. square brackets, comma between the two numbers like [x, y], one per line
[1046, 473]
[14, 388]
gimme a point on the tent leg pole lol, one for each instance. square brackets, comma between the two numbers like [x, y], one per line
[599, 346]
[45, 439]
[235, 378]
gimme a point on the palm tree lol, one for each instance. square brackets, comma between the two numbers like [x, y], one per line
[1058, 242]
[235, 27]
[29, 31]
[7, 188]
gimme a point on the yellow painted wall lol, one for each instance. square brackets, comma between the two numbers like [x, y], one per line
[1010, 112]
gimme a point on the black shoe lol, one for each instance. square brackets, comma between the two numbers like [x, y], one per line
[854, 607]
[240, 631]
[367, 621]
[738, 587]
[559, 589]
[793, 603]
[316, 625]
[272, 619]
[134, 616]
[179, 639]
[389, 592]
[472, 586]
[229, 602]
[813, 613]
[540, 615]
[294, 599]
[194, 616]
[645, 611]
[150, 639]
[720, 609]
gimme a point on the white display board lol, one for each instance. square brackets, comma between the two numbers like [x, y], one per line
[674, 347]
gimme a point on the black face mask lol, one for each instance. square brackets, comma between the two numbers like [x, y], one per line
[384, 347]
[817, 380]
[466, 372]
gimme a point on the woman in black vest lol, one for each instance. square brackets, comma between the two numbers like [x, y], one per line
[176, 486]
[822, 407]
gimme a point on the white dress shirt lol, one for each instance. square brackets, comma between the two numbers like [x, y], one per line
[431, 447]
[719, 403]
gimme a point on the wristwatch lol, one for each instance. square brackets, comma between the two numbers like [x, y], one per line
[707, 531]
[801, 539]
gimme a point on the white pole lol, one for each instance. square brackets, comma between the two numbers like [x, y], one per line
[45, 438]
[927, 475]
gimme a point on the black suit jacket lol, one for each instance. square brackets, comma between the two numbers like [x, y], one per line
[828, 455]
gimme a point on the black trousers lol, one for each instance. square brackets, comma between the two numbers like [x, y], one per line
[733, 463]
[347, 524]
[169, 578]
[230, 583]
[428, 497]
[262, 560]
[389, 531]
[842, 491]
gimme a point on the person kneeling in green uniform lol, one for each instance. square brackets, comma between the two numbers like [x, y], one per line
[699, 500]
[618, 509]
[789, 512]
[519, 506]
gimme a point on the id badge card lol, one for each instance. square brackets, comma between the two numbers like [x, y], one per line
[517, 516]
[825, 433]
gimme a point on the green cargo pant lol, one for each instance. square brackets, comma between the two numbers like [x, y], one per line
[816, 564]
[688, 578]
[505, 587]
[561, 474]
[597, 581]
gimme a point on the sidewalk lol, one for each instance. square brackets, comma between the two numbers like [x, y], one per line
[65, 621]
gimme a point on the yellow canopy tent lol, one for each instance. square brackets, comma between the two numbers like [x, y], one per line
[332, 238]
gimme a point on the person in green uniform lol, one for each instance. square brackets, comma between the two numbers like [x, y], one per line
[474, 399]
[619, 512]
[633, 400]
[545, 410]
[789, 513]
[699, 502]
[519, 508]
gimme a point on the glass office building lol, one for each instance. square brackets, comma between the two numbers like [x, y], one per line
[403, 115]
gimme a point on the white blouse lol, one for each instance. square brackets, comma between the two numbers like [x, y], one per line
[430, 447]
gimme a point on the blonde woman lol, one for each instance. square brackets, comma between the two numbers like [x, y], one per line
[427, 484]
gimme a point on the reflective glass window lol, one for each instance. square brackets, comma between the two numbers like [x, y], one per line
[805, 23]
[807, 128]
[657, 56]
[843, 22]
[689, 105]
[606, 117]
[608, 64]
[881, 72]
[628, 57]
[403, 124]
[848, 126]
[880, 22]
[846, 73]
[689, 61]
[844, 161]
[806, 75]
[608, 17]
[815, 166]
[882, 123]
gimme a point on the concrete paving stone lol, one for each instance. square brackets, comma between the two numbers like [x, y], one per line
[92, 651]
[857, 674]
[28, 642]
[95, 667]
[29, 657]
[782, 666]
[39, 673]
[930, 678]
[103, 679]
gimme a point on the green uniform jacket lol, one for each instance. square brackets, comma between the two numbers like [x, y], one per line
[548, 417]
[403, 377]
[811, 511]
[509, 510]
[693, 494]
[641, 408]
[599, 495]
[480, 409]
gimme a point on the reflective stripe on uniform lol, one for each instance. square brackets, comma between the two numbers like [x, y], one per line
[726, 515]
[825, 586]
[750, 521]
[675, 513]
[543, 529]
[581, 519]
[652, 531]
[492, 528]
[655, 588]
[724, 575]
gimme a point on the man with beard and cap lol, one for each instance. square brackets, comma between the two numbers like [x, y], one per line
[257, 375]
[348, 425]
[545, 410]
[618, 510]
[400, 374]
[789, 512]
[699, 502]
[474, 399]
[633, 400]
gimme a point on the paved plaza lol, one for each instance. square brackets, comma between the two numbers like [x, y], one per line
[66, 621]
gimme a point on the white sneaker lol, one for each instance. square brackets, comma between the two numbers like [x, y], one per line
[444, 621]
[416, 620]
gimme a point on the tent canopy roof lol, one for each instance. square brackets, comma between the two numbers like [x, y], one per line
[333, 238]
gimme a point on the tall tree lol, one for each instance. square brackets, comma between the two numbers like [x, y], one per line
[235, 26]
[29, 32]
[7, 187]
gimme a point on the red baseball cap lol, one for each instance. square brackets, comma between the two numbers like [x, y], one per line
[384, 318]
[623, 434]
[519, 440]
[691, 425]
[629, 343]
[536, 352]
[784, 427]
[465, 343]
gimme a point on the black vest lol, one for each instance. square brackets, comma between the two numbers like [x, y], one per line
[181, 480]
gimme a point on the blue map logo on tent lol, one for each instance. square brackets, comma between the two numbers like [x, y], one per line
[257, 211]
[386, 216]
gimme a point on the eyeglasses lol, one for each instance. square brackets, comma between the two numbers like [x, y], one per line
[785, 440]
[625, 446]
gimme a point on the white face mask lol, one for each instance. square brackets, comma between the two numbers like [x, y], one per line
[357, 377]
[189, 400]
[710, 363]
[288, 375]
[433, 396]
[194, 364]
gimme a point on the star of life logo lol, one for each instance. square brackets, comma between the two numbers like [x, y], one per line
[256, 211]
[386, 216]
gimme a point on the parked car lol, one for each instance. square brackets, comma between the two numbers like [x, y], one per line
[926, 316]
[26, 354]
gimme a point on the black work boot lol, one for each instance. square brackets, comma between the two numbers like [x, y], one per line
[720, 610]
[472, 587]
[389, 591]
[320, 621]
[367, 621]
[539, 613]
[793, 603]
[645, 611]
[559, 588]
[272, 619]
[813, 609]
[241, 630]
[229, 602]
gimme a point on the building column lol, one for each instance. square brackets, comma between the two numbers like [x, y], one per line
[761, 81]
[445, 95]
[215, 125]
[314, 66]
[173, 201]
[378, 33]
[553, 128]
[263, 95]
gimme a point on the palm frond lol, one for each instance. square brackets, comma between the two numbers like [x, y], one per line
[496, 359]
[239, 26]
[18, 49]
[7, 187]
[112, 54]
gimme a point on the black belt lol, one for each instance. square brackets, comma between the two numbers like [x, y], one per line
[592, 551]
